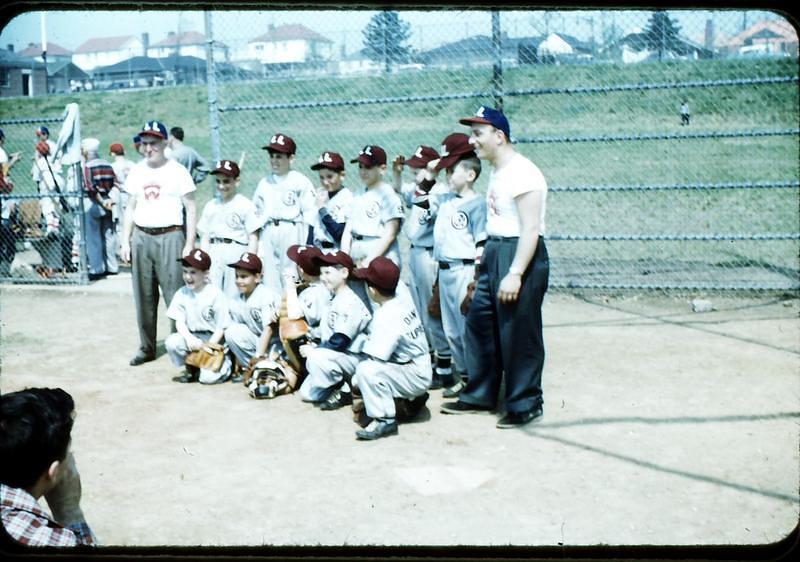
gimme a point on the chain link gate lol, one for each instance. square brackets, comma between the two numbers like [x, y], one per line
[42, 235]
[671, 156]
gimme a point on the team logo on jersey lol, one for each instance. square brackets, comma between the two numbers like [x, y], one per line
[255, 314]
[235, 221]
[374, 209]
[459, 221]
[332, 316]
[425, 216]
[290, 198]
[152, 192]
[208, 314]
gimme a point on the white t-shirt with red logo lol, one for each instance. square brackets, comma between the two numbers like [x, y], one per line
[158, 193]
[518, 176]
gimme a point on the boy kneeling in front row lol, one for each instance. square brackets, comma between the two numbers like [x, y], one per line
[397, 358]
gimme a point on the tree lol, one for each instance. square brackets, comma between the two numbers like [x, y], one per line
[661, 34]
[385, 39]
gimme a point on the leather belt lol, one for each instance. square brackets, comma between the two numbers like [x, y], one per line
[450, 264]
[225, 241]
[276, 222]
[429, 248]
[327, 245]
[159, 229]
[360, 237]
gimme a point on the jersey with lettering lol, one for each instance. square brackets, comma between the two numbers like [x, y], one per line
[314, 302]
[289, 198]
[396, 333]
[338, 207]
[418, 227]
[460, 225]
[346, 315]
[235, 219]
[204, 311]
[257, 311]
[373, 208]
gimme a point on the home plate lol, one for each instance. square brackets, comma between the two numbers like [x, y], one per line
[430, 480]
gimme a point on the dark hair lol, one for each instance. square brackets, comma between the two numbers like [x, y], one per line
[176, 132]
[35, 427]
[471, 164]
[381, 291]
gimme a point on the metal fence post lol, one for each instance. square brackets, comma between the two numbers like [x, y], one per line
[211, 83]
[497, 69]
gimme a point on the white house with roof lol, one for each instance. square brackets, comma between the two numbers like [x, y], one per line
[288, 44]
[188, 44]
[765, 38]
[55, 53]
[104, 51]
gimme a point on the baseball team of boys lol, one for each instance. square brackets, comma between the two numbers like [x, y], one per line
[329, 258]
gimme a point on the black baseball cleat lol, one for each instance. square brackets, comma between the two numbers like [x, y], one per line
[518, 419]
[377, 429]
[454, 390]
[460, 407]
[186, 377]
[336, 400]
[406, 410]
[141, 358]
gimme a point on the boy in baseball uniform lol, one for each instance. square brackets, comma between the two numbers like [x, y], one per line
[459, 235]
[377, 212]
[228, 226]
[418, 228]
[397, 360]
[331, 363]
[253, 330]
[306, 296]
[333, 202]
[284, 201]
[200, 311]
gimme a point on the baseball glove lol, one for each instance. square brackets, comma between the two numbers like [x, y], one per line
[465, 304]
[271, 378]
[434, 305]
[210, 357]
[293, 333]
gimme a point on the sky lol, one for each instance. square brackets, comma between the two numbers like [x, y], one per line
[429, 28]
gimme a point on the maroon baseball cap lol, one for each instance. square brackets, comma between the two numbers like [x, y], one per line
[304, 256]
[455, 147]
[116, 148]
[489, 116]
[381, 272]
[198, 259]
[335, 257]
[281, 143]
[422, 156]
[248, 261]
[371, 155]
[331, 160]
[227, 168]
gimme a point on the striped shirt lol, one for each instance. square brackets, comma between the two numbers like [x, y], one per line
[99, 178]
[27, 523]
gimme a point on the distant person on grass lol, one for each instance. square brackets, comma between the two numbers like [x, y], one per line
[35, 427]
[187, 156]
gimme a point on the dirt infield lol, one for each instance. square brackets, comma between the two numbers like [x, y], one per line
[661, 426]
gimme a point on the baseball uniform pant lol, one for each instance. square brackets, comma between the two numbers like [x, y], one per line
[220, 274]
[326, 370]
[275, 239]
[380, 381]
[360, 249]
[506, 337]
[452, 290]
[178, 350]
[154, 264]
[423, 271]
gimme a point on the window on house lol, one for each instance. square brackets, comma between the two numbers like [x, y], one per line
[4, 78]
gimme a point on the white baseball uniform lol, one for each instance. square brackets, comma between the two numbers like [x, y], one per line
[285, 206]
[203, 312]
[348, 315]
[228, 226]
[338, 209]
[314, 302]
[460, 226]
[249, 317]
[371, 210]
[397, 362]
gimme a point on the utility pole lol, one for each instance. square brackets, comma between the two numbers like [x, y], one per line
[497, 70]
[44, 51]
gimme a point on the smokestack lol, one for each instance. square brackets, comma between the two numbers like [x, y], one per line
[709, 34]
[145, 43]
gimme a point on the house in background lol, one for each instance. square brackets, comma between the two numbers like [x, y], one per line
[21, 76]
[475, 51]
[105, 51]
[357, 63]
[559, 47]
[65, 76]
[287, 46]
[635, 47]
[55, 53]
[765, 38]
[190, 44]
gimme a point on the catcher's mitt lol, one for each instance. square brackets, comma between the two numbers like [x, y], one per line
[434, 306]
[210, 357]
[270, 378]
[293, 334]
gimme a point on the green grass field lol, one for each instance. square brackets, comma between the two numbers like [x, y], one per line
[400, 127]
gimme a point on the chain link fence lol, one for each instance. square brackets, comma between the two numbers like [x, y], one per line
[670, 140]
[42, 229]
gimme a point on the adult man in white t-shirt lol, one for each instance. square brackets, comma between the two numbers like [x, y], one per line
[153, 238]
[504, 324]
